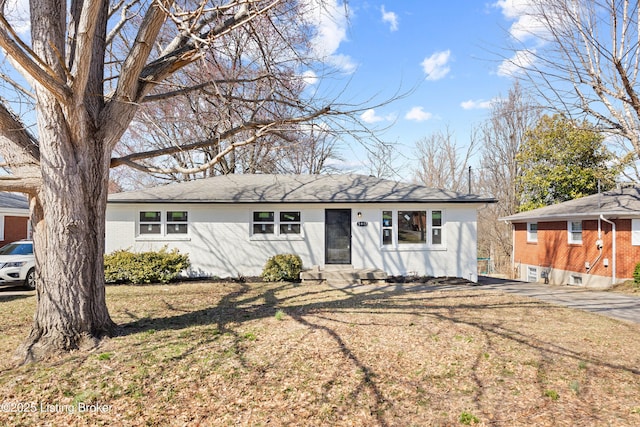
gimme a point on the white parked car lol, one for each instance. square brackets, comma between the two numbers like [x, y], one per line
[17, 264]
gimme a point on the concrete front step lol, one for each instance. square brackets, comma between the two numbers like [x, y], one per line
[342, 275]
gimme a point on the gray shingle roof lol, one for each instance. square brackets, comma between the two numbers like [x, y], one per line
[293, 189]
[617, 203]
[13, 201]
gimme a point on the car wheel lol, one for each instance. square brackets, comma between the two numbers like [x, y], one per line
[30, 280]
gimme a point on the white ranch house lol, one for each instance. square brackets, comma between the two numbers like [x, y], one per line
[230, 225]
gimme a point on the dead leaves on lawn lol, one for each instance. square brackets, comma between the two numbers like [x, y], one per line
[223, 354]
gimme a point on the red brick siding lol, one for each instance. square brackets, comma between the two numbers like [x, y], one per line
[628, 255]
[553, 248]
[15, 228]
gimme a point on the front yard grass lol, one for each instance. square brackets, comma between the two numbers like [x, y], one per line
[257, 354]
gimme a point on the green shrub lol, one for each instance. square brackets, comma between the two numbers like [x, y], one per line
[282, 267]
[636, 274]
[144, 267]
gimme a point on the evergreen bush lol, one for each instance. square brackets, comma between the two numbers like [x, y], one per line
[636, 274]
[282, 267]
[124, 266]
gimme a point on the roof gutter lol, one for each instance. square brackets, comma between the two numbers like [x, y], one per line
[613, 249]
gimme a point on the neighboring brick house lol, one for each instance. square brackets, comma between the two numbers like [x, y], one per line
[593, 241]
[14, 218]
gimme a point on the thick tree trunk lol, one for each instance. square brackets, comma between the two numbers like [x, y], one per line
[68, 210]
[71, 311]
[68, 217]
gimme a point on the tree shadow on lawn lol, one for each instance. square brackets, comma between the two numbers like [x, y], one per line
[245, 304]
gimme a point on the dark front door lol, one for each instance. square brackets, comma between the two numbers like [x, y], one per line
[337, 240]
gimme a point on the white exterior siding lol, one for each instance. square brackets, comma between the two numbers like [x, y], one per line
[219, 240]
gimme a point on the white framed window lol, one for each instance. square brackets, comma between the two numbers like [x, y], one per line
[387, 228]
[532, 232]
[177, 222]
[150, 222]
[283, 223]
[409, 228]
[532, 274]
[574, 229]
[154, 223]
[290, 222]
[436, 227]
[264, 222]
[635, 232]
[412, 227]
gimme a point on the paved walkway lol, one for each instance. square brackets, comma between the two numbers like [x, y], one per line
[616, 305]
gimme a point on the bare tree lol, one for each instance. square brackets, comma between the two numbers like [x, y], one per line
[308, 152]
[89, 68]
[252, 75]
[442, 163]
[501, 136]
[584, 60]
[382, 157]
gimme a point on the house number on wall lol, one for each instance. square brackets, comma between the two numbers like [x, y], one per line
[362, 223]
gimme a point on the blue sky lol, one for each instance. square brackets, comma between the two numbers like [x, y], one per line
[448, 54]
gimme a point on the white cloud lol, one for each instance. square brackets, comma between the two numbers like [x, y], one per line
[520, 61]
[329, 18]
[309, 77]
[477, 104]
[343, 62]
[437, 65]
[418, 114]
[512, 9]
[370, 116]
[526, 22]
[391, 18]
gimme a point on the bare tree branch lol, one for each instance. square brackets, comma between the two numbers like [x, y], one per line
[586, 61]
[261, 129]
[29, 64]
[21, 154]
[84, 47]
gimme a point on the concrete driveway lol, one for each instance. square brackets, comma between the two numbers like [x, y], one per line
[8, 292]
[616, 305]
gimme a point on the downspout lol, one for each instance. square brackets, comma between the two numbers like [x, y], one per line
[613, 249]
[599, 245]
